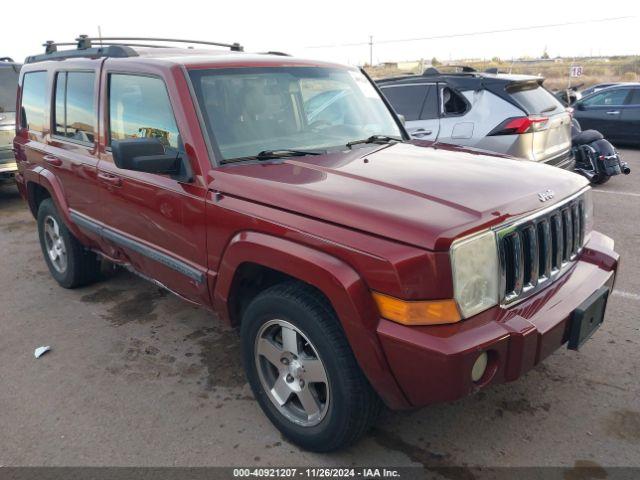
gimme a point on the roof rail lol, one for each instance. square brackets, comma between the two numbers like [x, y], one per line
[280, 54]
[85, 41]
[6, 59]
[462, 70]
[112, 47]
[52, 53]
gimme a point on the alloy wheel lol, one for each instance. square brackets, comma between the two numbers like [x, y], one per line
[54, 243]
[292, 373]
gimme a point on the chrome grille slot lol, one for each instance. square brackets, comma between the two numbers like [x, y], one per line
[536, 250]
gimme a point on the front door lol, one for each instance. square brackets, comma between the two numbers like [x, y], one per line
[153, 222]
[603, 111]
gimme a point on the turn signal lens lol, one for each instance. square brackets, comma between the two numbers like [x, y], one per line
[432, 312]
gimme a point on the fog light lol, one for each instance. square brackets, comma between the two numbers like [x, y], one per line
[479, 367]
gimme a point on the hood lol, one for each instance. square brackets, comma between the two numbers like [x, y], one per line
[422, 196]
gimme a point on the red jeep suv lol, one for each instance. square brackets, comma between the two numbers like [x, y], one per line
[360, 268]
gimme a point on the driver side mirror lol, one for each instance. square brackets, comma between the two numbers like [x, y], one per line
[578, 106]
[149, 155]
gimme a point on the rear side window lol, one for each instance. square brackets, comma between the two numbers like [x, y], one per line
[75, 110]
[635, 97]
[8, 88]
[535, 99]
[34, 101]
[607, 98]
[406, 100]
[452, 102]
[139, 107]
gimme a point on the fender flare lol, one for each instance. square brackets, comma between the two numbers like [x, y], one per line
[50, 182]
[341, 284]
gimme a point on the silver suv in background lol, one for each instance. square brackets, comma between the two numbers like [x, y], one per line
[9, 71]
[509, 114]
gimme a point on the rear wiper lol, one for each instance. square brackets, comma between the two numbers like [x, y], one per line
[375, 139]
[549, 109]
[273, 154]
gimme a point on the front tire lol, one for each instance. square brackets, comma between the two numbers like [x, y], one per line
[70, 264]
[302, 370]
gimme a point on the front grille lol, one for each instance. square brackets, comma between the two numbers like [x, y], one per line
[536, 250]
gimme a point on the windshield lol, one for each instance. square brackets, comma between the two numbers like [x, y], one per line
[8, 88]
[250, 110]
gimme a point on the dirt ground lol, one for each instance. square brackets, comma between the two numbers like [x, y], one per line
[136, 377]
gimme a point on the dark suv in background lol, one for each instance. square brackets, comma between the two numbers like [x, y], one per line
[508, 114]
[9, 71]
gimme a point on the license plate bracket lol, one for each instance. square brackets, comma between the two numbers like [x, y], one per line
[587, 318]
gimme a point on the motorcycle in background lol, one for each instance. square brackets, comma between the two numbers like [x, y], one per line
[595, 157]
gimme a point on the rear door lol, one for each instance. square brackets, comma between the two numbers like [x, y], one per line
[418, 103]
[71, 148]
[630, 118]
[152, 221]
[602, 111]
[551, 130]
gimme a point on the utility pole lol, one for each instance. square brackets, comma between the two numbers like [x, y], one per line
[371, 50]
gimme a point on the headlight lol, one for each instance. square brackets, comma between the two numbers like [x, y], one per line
[588, 212]
[474, 262]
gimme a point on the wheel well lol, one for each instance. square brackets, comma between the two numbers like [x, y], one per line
[35, 195]
[248, 281]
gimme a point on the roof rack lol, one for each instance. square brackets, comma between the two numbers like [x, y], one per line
[280, 54]
[113, 47]
[464, 69]
[86, 41]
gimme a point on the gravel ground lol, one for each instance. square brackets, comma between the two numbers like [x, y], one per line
[137, 377]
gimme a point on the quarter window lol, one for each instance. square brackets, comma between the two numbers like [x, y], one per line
[139, 107]
[75, 113]
[34, 100]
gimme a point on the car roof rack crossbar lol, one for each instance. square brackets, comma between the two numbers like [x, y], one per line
[87, 46]
[85, 41]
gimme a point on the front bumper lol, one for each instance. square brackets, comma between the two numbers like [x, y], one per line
[433, 363]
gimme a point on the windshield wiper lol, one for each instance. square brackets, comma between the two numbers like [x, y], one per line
[274, 154]
[286, 152]
[382, 139]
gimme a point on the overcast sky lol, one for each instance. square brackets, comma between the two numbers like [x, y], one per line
[295, 26]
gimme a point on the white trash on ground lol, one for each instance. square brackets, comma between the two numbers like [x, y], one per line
[41, 351]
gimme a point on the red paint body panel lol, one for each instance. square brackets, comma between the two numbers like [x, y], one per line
[372, 218]
[433, 363]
